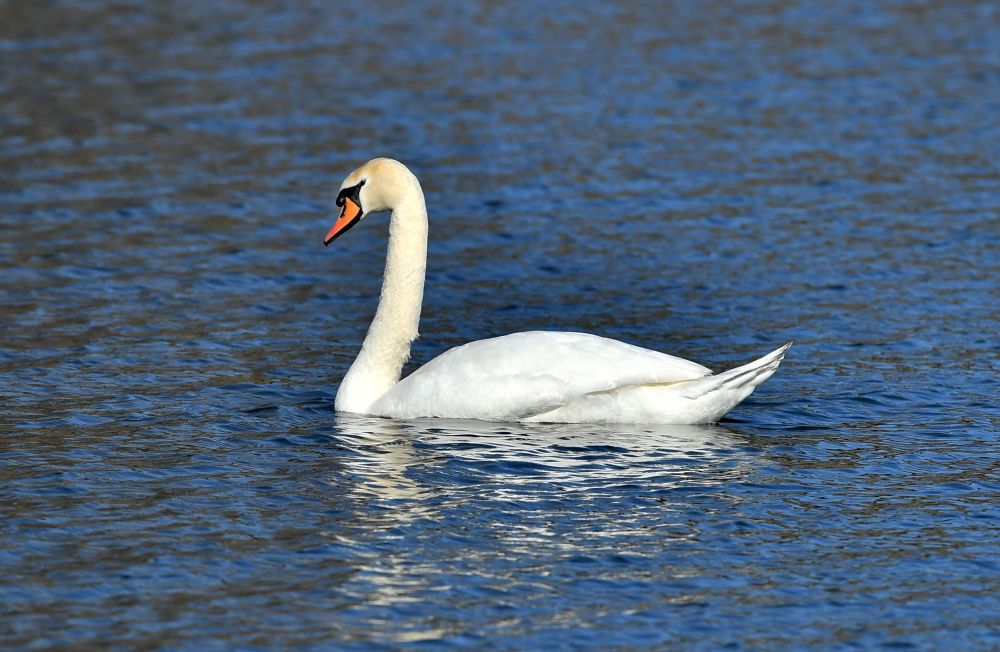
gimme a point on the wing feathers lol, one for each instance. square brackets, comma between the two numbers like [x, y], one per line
[524, 374]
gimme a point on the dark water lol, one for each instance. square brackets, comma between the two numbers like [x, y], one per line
[706, 179]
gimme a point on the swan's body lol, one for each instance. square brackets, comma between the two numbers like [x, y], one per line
[532, 376]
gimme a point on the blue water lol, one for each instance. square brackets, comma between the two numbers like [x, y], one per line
[709, 180]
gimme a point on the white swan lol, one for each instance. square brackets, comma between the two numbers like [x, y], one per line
[536, 376]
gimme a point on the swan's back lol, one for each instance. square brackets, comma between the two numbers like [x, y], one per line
[518, 376]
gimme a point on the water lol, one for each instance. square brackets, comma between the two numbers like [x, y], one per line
[706, 180]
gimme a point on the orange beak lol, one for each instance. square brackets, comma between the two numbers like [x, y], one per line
[349, 216]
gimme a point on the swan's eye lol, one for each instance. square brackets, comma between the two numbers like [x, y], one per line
[354, 192]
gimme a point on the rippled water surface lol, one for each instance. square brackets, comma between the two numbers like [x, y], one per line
[708, 179]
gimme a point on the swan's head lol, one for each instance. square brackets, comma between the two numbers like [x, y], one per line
[378, 185]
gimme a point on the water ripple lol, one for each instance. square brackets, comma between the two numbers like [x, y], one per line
[709, 180]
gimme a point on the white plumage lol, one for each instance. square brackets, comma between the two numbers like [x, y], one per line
[533, 376]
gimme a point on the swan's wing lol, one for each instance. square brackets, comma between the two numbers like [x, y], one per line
[520, 375]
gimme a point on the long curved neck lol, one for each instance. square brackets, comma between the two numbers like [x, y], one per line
[387, 345]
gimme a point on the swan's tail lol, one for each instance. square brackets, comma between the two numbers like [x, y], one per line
[717, 394]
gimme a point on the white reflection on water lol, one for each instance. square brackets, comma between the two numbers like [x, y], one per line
[414, 480]
[386, 452]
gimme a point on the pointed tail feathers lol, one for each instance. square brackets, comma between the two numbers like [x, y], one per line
[747, 376]
[717, 394]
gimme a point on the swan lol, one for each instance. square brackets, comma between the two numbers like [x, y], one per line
[536, 376]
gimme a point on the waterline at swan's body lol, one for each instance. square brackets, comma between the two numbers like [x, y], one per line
[531, 376]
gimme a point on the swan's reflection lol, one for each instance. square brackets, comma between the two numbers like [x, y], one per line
[394, 460]
[382, 454]
[473, 490]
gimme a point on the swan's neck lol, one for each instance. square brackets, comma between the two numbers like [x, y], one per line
[387, 346]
